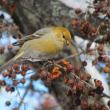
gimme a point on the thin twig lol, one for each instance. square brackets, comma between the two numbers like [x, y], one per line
[22, 99]
[68, 57]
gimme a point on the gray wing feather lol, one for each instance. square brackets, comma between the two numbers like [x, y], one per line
[36, 35]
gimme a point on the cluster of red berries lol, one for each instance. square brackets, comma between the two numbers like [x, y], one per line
[98, 106]
[101, 6]
[56, 71]
[12, 74]
[77, 81]
[103, 56]
[10, 5]
[88, 30]
[2, 49]
[85, 28]
[13, 30]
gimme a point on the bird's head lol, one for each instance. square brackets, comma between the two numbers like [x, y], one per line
[63, 35]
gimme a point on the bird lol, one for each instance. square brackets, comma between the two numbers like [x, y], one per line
[42, 45]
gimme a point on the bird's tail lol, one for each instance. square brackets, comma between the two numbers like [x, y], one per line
[11, 62]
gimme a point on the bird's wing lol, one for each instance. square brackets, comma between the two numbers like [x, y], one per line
[38, 49]
[21, 41]
[36, 35]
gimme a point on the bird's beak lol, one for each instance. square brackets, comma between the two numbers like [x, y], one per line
[72, 43]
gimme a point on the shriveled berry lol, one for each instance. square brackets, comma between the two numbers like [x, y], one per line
[70, 67]
[95, 62]
[43, 73]
[24, 67]
[10, 69]
[7, 103]
[78, 11]
[100, 58]
[84, 63]
[13, 75]
[15, 83]
[99, 90]
[75, 22]
[10, 47]
[23, 73]
[16, 66]
[97, 105]
[84, 104]
[98, 83]
[12, 89]
[66, 80]
[80, 86]
[3, 83]
[70, 82]
[8, 88]
[5, 74]
[91, 92]
[69, 92]
[23, 81]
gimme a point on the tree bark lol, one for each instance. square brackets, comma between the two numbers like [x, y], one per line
[35, 14]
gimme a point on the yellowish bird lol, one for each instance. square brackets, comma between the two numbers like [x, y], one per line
[41, 45]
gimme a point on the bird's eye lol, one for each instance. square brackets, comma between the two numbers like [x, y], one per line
[63, 36]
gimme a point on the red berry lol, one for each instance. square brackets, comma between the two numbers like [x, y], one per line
[98, 83]
[80, 86]
[84, 104]
[10, 69]
[23, 73]
[15, 82]
[8, 88]
[16, 66]
[78, 11]
[23, 81]
[91, 92]
[84, 63]
[5, 74]
[10, 47]
[43, 73]
[97, 105]
[13, 75]
[24, 67]
[99, 90]
[69, 67]
[3, 83]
